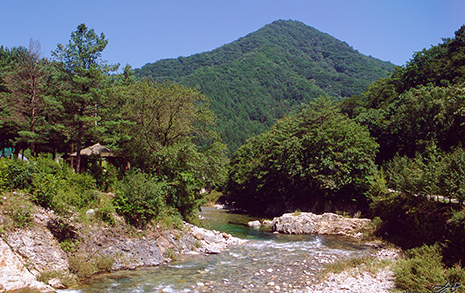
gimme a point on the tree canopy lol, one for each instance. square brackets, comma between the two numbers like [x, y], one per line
[317, 153]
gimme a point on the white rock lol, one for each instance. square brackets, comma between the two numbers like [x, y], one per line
[13, 275]
[254, 224]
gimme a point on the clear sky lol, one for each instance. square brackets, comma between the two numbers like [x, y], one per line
[143, 31]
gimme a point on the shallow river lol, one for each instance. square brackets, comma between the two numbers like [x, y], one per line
[267, 262]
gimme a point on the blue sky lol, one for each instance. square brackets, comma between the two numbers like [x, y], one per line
[143, 31]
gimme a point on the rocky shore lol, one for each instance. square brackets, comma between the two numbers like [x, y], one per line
[360, 279]
[29, 254]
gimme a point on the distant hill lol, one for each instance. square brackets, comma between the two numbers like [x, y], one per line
[259, 78]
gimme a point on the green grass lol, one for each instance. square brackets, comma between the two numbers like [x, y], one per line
[369, 264]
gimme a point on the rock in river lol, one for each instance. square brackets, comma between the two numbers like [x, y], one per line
[326, 224]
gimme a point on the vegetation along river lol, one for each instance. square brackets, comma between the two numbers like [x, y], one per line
[266, 262]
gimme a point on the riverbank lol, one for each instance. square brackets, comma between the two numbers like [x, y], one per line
[372, 273]
[54, 252]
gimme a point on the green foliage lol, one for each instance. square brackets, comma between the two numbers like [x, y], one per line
[432, 174]
[452, 175]
[319, 152]
[105, 210]
[213, 196]
[83, 75]
[171, 219]
[140, 198]
[70, 245]
[369, 263]
[259, 78]
[17, 210]
[422, 270]
[85, 266]
[66, 278]
[51, 184]
[19, 174]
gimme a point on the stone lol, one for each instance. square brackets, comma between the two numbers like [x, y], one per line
[267, 223]
[90, 213]
[326, 224]
[210, 237]
[14, 275]
[254, 224]
[56, 283]
[39, 249]
[212, 250]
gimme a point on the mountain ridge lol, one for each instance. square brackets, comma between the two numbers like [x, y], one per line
[266, 74]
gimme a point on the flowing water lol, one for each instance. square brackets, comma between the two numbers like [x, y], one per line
[284, 263]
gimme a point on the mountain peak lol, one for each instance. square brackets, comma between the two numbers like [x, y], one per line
[268, 73]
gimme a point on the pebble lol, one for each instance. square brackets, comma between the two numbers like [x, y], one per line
[356, 281]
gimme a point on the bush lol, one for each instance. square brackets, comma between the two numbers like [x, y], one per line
[17, 210]
[45, 188]
[140, 198]
[81, 266]
[105, 211]
[4, 165]
[423, 269]
[85, 266]
[66, 278]
[20, 175]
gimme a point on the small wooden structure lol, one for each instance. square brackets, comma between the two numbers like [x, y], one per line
[96, 150]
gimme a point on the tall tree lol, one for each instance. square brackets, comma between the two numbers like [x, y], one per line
[8, 128]
[27, 85]
[83, 74]
[170, 135]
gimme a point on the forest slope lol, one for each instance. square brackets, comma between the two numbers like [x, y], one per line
[259, 78]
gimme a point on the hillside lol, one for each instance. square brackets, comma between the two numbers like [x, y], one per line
[259, 78]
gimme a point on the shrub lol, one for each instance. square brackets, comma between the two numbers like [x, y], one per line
[70, 245]
[86, 266]
[140, 198]
[45, 188]
[171, 219]
[213, 197]
[17, 210]
[20, 175]
[82, 266]
[104, 263]
[66, 278]
[4, 165]
[105, 211]
[423, 269]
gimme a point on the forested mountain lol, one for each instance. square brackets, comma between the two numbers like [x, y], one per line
[259, 78]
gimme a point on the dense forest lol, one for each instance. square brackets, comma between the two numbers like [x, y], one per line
[259, 78]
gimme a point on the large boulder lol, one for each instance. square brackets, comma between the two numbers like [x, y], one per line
[14, 275]
[39, 249]
[326, 224]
